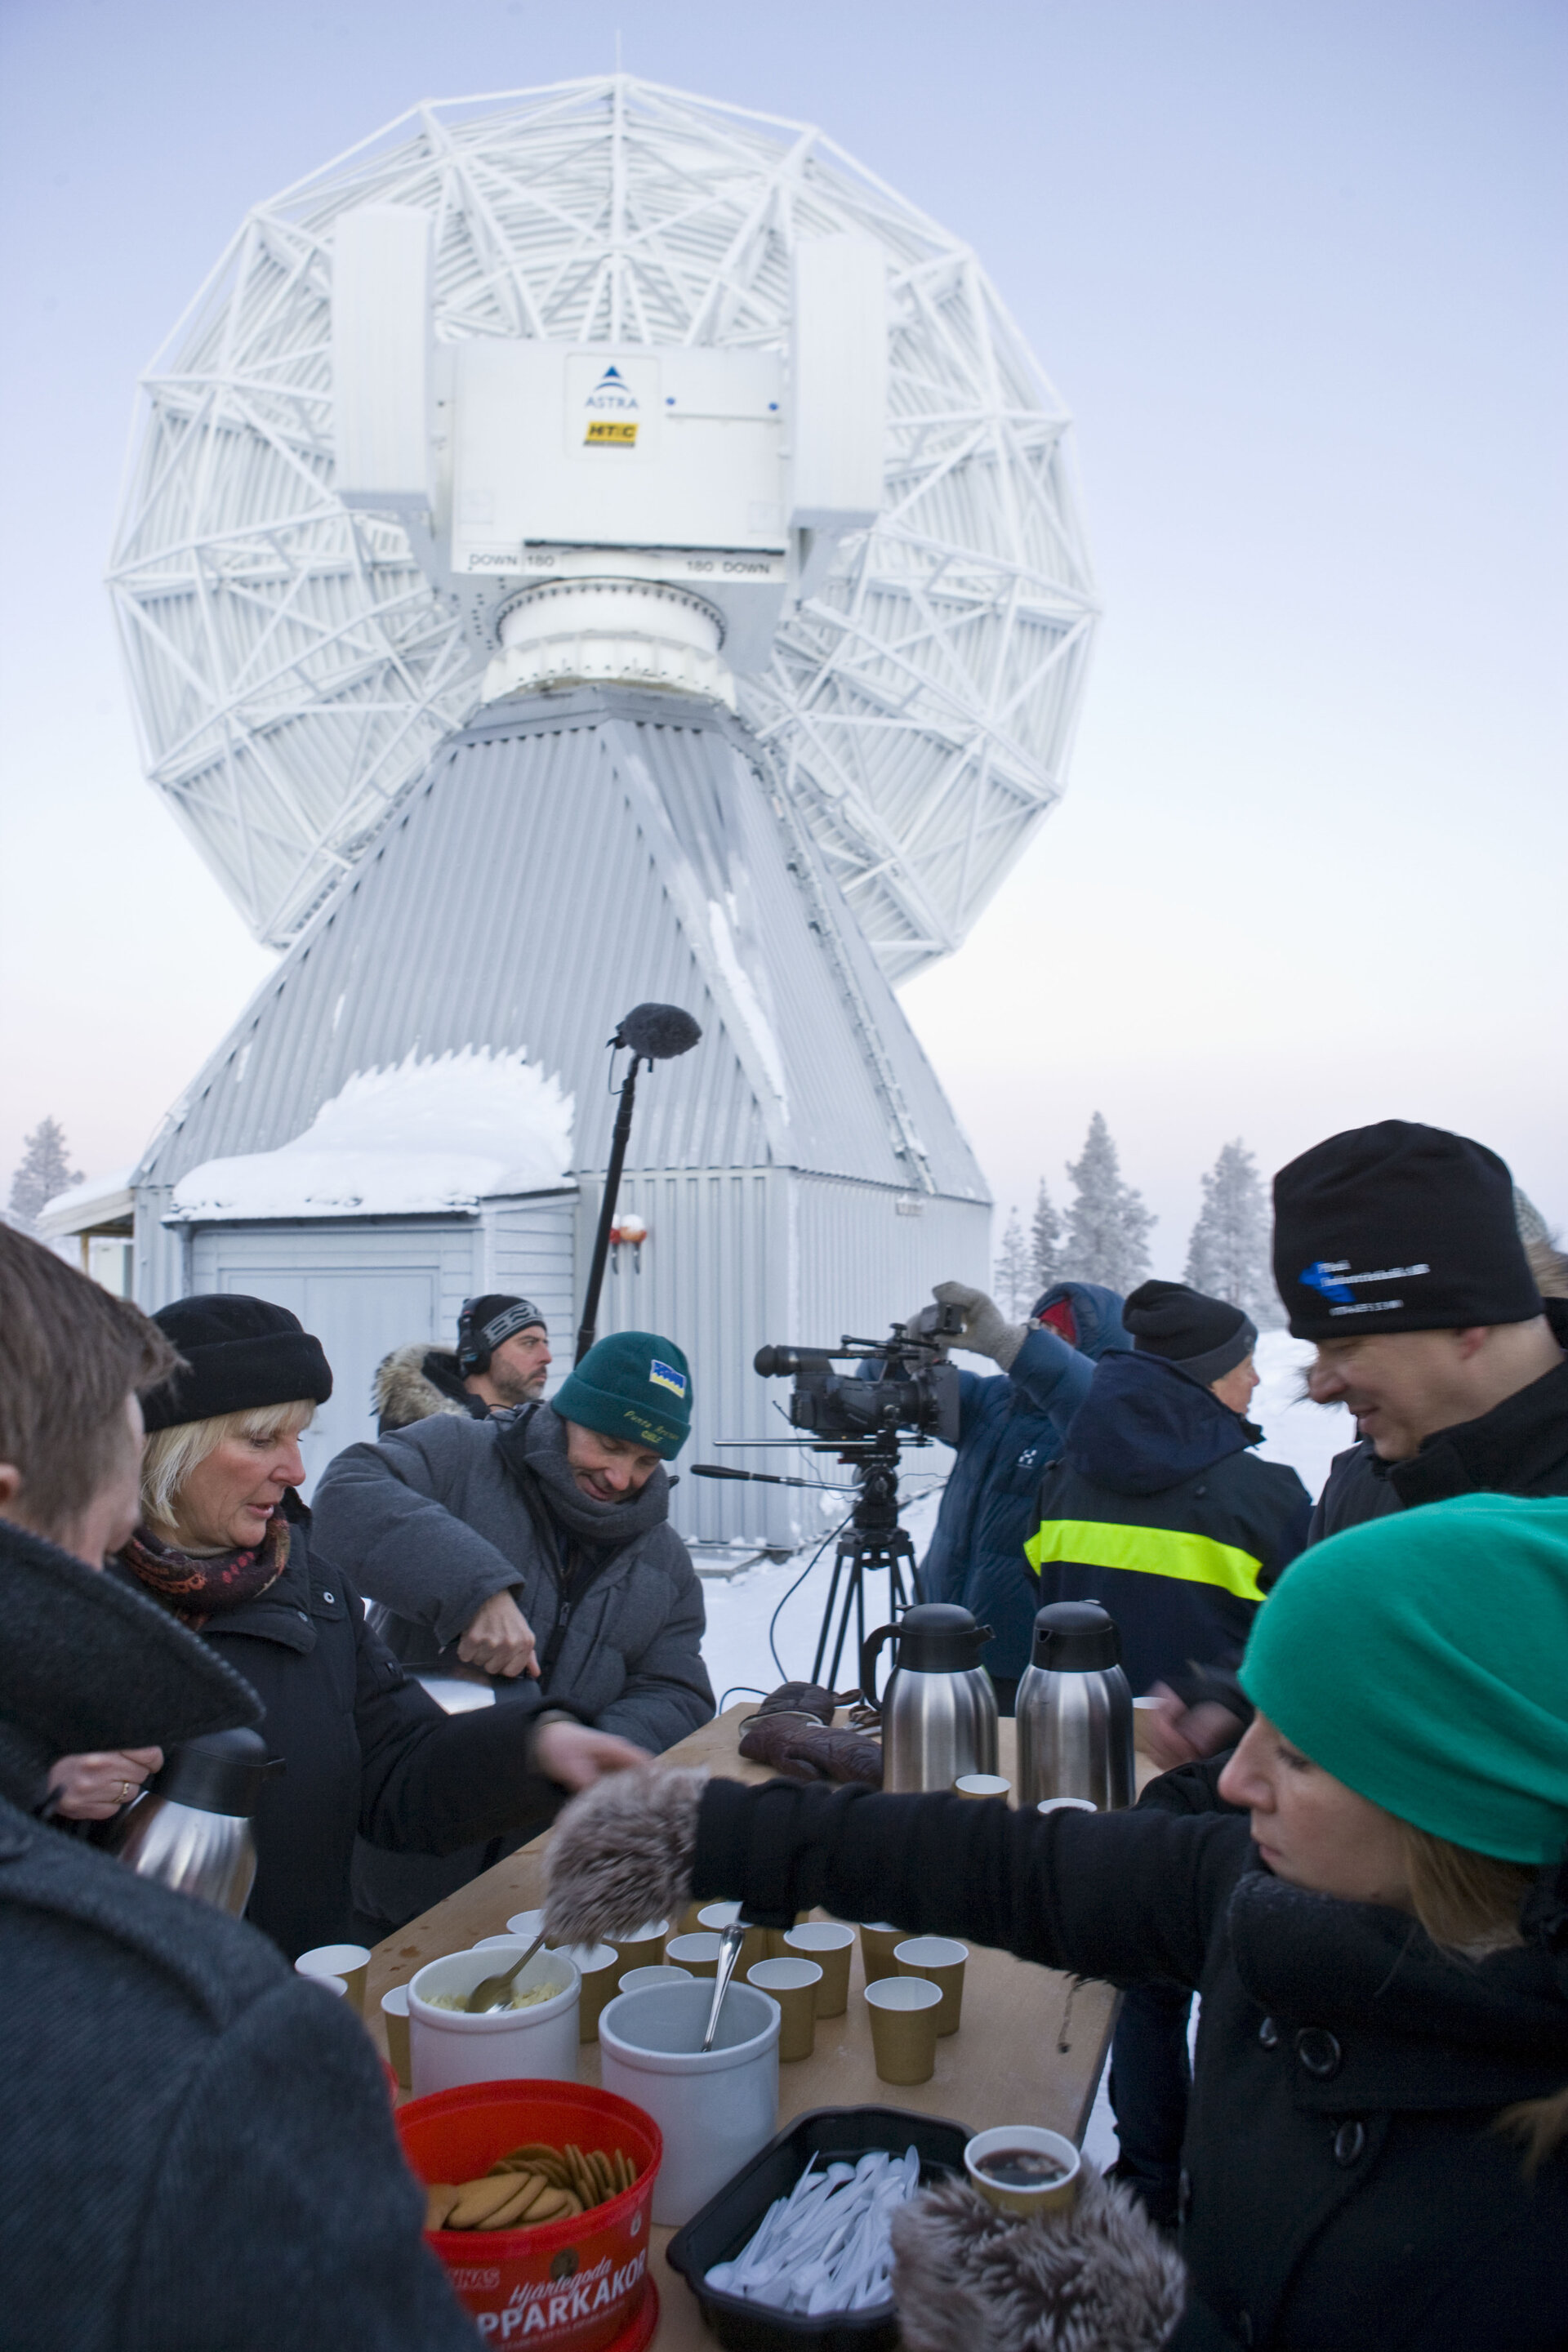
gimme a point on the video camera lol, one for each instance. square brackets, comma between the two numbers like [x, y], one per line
[915, 1388]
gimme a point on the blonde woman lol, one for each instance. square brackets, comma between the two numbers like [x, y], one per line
[1377, 2152]
[225, 1544]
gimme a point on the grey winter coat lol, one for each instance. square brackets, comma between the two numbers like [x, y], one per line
[199, 2153]
[433, 1520]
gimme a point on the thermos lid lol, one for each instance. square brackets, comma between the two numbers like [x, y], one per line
[1076, 1637]
[938, 1637]
[221, 1772]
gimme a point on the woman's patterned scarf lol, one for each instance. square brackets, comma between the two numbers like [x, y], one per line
[195, 1588]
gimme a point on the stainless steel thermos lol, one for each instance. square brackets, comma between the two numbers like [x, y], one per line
[190, 1828]
[939, 1710]
[1075, 1710]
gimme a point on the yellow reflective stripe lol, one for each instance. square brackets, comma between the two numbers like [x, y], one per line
[1148, 1552]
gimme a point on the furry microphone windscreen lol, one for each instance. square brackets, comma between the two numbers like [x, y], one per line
[657, 1032]
[621, 1854]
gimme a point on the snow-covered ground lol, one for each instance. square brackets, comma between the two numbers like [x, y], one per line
[736, 1645]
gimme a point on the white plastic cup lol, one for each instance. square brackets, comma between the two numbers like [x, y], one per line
[395, 2017]
[715, 2108]
[448, 2048]
[348, 1961]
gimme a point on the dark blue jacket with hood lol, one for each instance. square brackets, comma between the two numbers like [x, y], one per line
[1159, 1510]
[1010, 1425]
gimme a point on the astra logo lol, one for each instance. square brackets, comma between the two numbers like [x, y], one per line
[1333, 1277]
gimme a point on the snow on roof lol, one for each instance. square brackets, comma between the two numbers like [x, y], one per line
[95, 1201]
[425, 1136]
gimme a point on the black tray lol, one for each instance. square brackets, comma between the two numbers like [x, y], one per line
[725, 2223]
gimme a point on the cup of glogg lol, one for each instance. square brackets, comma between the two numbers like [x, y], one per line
[1023, 2169]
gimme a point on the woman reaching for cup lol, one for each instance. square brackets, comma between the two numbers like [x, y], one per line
[224, 1544]
[1375, 2148]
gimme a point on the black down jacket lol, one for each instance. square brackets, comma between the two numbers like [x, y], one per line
[1160, 1510]
[1342, 2190]
[367, 1749]
[198, 2153]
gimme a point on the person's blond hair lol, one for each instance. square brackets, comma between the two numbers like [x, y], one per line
[1469, 1904]
[172, 1455]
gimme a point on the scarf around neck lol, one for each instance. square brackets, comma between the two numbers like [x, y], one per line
[536, 1444]
[196, 1585]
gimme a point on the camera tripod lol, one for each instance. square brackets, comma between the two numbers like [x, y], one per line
[873, 1540]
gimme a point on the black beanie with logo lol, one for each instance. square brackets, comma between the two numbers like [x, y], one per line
[1207, 1337]
[1398, 1227]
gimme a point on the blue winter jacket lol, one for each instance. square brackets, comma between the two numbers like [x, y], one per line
[1010, 1425]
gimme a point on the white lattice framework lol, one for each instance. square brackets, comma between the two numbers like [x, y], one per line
[293, 667]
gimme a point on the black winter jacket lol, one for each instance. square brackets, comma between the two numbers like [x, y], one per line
[1521, 1447]
[1342, 2191]
[367, 1750]
[198, 2153]
[1159, 1510]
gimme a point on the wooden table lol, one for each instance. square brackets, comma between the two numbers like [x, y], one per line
[1030, 2049]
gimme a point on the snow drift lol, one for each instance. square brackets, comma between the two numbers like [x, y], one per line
[423, 1137]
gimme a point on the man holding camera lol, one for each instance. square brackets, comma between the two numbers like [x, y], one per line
[502, 1361]
[1010, 1426]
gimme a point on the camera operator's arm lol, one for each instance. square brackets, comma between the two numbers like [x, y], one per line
[986, 1330]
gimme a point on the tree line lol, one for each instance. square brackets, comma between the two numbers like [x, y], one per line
[1104, 1235]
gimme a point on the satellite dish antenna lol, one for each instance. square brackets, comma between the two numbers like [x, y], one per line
[296, 658]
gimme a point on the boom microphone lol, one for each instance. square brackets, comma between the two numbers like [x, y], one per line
[657, 1032]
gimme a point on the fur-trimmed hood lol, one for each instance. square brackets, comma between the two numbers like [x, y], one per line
[416, 1381]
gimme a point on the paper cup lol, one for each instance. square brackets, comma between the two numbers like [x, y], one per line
[689, 1920]
[1051, 2197]
[333, 1985]
[716, 1917]
[903, 2028]
[666, 1973]
[598, 1967]
[1066, 1805]
[526, 1924]
[778, 1943]
[643, 1950]
[939, 1961]
[829, 1945]
[395, 2017]
[879, 1940]
[794, 1985]
[349, 1961]
[698, 1955]
[982, 1784]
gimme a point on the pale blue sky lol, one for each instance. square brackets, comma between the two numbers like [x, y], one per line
[1296, 269]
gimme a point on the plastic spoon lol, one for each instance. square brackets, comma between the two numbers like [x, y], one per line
[728, 1953]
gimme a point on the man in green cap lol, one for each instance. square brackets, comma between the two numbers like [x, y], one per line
[533, 1551]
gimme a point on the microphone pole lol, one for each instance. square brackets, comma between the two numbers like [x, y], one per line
[654, 1032]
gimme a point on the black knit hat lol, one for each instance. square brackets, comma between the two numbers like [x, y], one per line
[1206, 1337]
[1398, 1228]
[239, 1353]
[488, 1321]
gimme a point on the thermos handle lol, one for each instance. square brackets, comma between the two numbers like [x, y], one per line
[868, 1649]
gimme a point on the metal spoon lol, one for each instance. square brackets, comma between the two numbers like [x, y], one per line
[734, 1936]
[491, 1992]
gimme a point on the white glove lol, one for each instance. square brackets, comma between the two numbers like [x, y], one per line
[986, 1330]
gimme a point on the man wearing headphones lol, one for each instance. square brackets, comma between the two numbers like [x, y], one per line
[502, 1359]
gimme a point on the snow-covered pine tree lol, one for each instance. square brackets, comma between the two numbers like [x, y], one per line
[1044, 1243]
[1011, 1279]
[1227, 1256]
[44, 1169]
[1108, 1223]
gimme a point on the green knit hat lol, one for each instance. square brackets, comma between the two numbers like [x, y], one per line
[632, 1385]
[1422, 1660]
